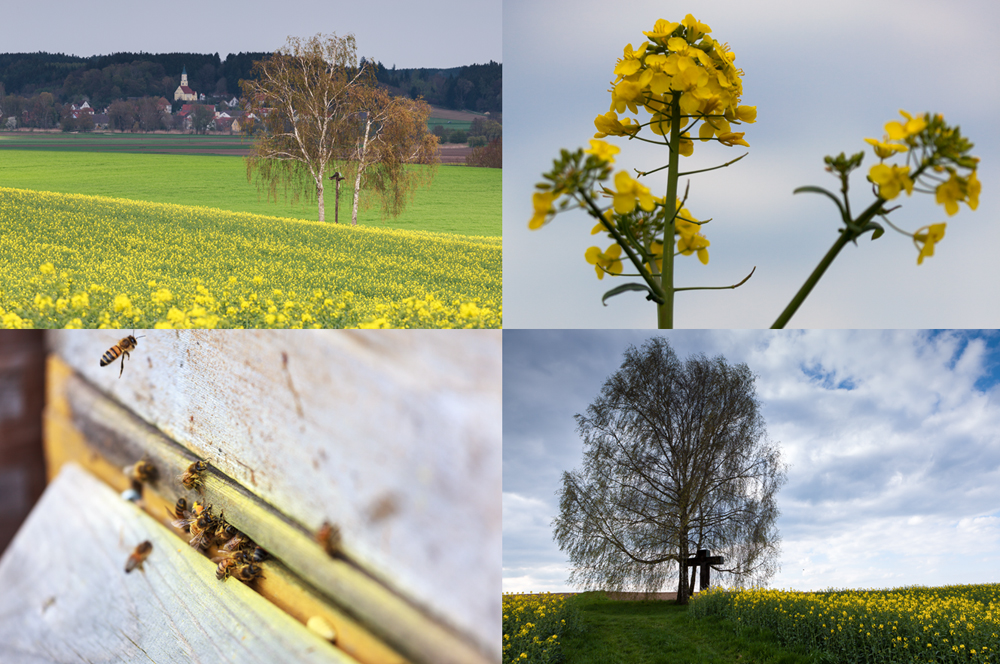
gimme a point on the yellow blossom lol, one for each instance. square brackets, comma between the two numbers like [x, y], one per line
[925, 239]
[605, 261]
[542, 201]
[603, 150]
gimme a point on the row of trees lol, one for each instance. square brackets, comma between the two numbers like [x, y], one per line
[473, 87]
[315, 109]
[676, 459]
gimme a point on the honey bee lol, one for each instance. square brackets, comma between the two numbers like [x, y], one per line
[248, 572]
[237, 542]
[191, 478]
[180, 509]
[225, 568]
[259, 555]
[144, 471]
[224, 531]
[123, 347]
[329, 538]
[200, 524]
[138, 556]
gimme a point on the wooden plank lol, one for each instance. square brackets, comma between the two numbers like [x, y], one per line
[394, 435]
[85, 426]
[74, 601]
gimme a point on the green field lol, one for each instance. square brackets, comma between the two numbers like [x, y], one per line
[460, 200]
[82, 261]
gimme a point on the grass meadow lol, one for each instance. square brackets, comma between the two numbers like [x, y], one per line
[461, 200]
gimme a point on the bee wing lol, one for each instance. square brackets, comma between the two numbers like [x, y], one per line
[200, 541]
[183, 524]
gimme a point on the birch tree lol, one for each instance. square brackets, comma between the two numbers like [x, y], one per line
[303, 110]
[394, 154]
[676, 459]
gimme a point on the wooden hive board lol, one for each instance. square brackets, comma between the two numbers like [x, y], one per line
[396, 438]
[66, 596]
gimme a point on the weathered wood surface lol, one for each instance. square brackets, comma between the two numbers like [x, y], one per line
[395, 436]
[85, 427]
[65, 596]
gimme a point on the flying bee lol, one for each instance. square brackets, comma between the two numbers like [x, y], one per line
[123, 347]
[144, 471]
[191, 478]
[329, 538]
[138, 556]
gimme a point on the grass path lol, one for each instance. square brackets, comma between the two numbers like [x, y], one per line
[660, 632]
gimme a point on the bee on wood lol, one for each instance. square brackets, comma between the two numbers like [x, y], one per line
[144, 471]
[329, 538]
[138, 556]
[248, 572]
[180, 509]
[259, 555]
[123, 347]
[224, 531]
[237, 542]
[200, 524]
[225, 568]
[192, 477]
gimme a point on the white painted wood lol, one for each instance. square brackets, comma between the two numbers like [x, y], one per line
[65, 596]
[394, 435]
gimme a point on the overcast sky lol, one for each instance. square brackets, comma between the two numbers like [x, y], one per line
[824, 75]
[435, 34]
[893, 441]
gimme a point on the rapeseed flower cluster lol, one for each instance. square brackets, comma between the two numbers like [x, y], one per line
[914, 624]
[937, 161]
[83, 261]
[679, 79]
[532, 627]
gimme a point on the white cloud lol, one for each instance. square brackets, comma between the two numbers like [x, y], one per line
[893, 442]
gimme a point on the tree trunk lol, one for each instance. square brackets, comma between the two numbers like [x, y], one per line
[682, 584]
[361, 168]
[319, 197]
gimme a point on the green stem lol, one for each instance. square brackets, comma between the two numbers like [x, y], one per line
[793, 306]
[665, 311]
[851, 233]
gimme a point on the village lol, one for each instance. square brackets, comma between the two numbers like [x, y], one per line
[189, 111]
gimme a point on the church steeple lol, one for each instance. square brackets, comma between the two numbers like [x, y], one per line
[184, 77]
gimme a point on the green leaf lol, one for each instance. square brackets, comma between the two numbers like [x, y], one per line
[631, 287]
[820, 190]
[876, 228]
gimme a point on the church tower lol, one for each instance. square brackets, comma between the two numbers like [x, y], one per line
[183, 92]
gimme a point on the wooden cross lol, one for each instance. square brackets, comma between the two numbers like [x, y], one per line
[705, 561]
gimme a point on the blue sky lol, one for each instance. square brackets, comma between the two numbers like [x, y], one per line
[823, 75]
[892, 437]
[435, 34]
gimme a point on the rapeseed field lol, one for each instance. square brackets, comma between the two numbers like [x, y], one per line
[72, 261]
[914, 624]
[532, 627]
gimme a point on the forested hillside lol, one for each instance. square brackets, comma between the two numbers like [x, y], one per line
[105, 78]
